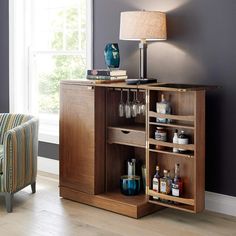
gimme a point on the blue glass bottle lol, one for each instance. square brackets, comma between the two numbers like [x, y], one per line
[112, 55]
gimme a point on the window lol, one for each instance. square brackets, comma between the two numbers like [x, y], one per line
[50, 40]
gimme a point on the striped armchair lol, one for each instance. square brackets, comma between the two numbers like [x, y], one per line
[18, 154]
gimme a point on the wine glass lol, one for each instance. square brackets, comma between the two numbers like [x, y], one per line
[128, 107]
[143, 105]
[138, 104]
[121, 105]
[134, 105]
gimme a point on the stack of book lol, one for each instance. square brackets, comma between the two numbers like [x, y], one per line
[106, 75]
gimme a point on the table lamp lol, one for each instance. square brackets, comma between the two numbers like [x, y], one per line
[142, 26]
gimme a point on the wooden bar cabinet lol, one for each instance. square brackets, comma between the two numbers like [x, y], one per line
[95, 143]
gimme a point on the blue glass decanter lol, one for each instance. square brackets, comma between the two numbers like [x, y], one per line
[112, 55]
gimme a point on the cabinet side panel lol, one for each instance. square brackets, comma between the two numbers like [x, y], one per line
[200, 150]
[77, 138]
[100, 139]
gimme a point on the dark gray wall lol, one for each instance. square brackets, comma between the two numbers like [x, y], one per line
[200, 49]
[4, 57]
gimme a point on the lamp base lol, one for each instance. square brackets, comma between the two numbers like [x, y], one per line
[140, 81]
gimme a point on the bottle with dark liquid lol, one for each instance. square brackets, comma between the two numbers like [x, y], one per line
[177, 183]
[182, 139]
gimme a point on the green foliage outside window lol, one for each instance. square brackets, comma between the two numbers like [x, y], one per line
[71, 66]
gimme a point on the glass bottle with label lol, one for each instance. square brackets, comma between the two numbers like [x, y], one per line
[160, 135]
[156, 182]
[175, 141]
[163, 107]
[165, 183]
[182, 139]
[177, 183]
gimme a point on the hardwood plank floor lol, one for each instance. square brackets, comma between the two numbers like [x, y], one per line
[45, 213]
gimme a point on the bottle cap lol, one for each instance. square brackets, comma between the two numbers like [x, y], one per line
[165, 171]
[157, 167]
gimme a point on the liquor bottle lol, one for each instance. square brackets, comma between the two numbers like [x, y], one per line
[175, 140]
[165, 183]
[177, 183]
[156, 182]
[182, 139]
[163, 107]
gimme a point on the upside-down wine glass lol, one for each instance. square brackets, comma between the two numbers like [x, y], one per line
[143, 105]
[121, 105]
[134, 110]
[128, 107]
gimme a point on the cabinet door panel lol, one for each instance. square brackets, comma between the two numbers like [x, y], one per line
[77, 147]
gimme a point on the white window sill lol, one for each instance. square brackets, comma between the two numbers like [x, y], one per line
[49, 128]
[49, 138]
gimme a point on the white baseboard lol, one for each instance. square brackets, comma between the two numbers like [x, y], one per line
[213, 201]
[220, 203]
[48, 165]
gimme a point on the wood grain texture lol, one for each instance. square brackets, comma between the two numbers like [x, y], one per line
[134, 207]
[172, 117]
[100, 139]
[190, 147]
[82, 138]
[187, 201]
[77, 138]
[199, 172]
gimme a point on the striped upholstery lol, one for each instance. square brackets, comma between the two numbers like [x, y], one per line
[18, 151]
[1, 158]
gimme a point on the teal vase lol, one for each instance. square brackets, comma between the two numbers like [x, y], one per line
[112, 55]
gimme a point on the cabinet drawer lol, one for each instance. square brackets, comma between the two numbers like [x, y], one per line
[126, 136]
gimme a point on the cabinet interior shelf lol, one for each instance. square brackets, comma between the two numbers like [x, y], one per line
[169, 153]
[173, 125]
[126, 144]
[118, 197]
[134, 127]
[172, 117]
[189, 147]
[187, 201]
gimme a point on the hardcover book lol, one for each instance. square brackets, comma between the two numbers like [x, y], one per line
[106, 77]
[105, 72]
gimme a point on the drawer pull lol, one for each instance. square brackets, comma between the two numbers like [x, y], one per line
[125, 131]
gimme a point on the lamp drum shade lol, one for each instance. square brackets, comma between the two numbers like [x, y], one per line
[143, 25]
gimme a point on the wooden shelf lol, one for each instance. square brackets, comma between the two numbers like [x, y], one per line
[172, 145]
[126, 144]
[181, 207]
[187, 201]
[135, 127]
[171, 117]
[191, 156]
[117, 196]
[173, 125]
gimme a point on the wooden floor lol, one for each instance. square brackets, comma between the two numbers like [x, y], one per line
[44, 213]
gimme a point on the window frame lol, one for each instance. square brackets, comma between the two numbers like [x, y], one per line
[23, 86]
